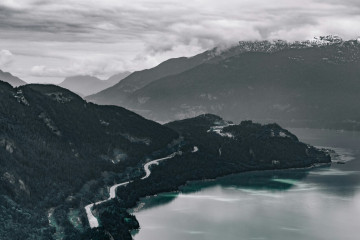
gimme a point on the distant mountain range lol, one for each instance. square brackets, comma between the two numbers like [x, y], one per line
[83, 85]
[9, 78]
[86, 85]
[119, 92]
[305, 84]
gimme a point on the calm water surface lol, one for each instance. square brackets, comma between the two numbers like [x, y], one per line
[322, 203]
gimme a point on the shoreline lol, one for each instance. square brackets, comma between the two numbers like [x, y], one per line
[136, 207]
[132, 210]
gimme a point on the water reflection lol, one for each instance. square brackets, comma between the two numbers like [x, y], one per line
[267, 181]
[330, 180]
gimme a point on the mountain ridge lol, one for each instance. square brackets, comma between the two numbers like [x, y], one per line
[55, 147]
[12, 80]
[284, 68]
[141, 78]
[86, 84]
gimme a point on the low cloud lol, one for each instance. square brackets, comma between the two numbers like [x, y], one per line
[155, 29]
[6, 58]
[101, 68]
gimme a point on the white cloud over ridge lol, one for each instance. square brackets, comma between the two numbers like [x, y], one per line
[130, 35]
[6, 57]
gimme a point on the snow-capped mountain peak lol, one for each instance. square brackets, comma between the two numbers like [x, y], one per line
[326, 40]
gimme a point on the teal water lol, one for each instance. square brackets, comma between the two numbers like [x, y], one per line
[321, 203]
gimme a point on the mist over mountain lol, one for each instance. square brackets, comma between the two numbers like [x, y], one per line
[9, 78]
[118, 77]
[139, 79]
[308, 84]
[231, 124]
[86, 85]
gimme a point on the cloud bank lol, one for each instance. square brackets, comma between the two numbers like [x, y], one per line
[103, 37]
[6, 57]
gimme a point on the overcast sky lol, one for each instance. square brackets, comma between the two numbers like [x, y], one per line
[47, 40]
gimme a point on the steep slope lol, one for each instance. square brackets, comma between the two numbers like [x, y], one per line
[9, 78]
[313, 86]
[86, 85]
[117, 78]
[57, 152]
[117, 94]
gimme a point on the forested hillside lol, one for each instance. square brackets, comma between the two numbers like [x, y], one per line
[56, 151]
[211, 148]
[59, 153]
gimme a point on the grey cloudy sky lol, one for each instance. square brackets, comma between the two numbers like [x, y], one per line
[47, 40]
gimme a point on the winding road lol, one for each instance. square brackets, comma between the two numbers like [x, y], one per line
[93, 221]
